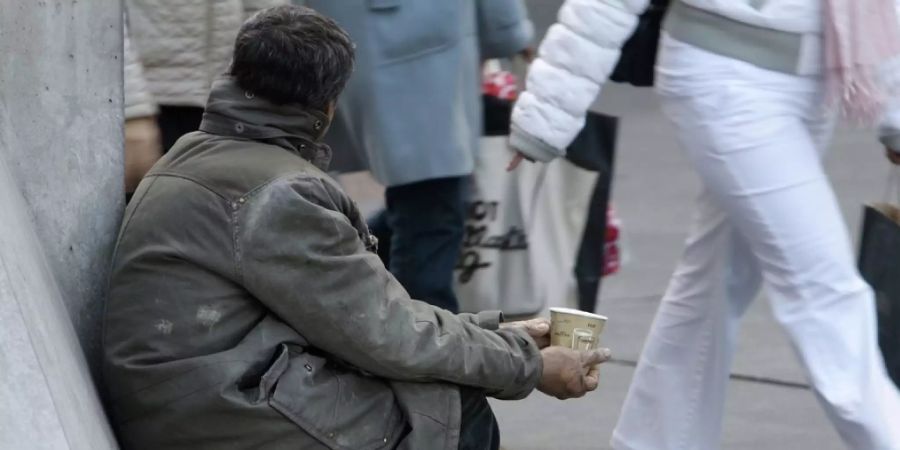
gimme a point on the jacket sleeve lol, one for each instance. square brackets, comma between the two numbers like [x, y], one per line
[503, 28]
[306, 262]
[138, 101]
[575, 59]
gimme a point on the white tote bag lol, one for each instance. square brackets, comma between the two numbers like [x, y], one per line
[525, 229]
[494, 271]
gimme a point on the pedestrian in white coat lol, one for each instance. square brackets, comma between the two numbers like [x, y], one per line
[752, 86]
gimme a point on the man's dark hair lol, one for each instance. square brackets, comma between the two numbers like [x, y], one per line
[292, 54]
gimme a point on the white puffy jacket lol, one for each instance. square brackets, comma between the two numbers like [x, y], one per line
[582, 48]
[184, 45]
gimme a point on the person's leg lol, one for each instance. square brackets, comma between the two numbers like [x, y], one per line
[755, 137]
[780, 198]
[176, 121]
[427, 221]
[676, 398]
[478, 427]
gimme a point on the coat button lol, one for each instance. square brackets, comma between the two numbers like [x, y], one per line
[331, 435]
[239, 127]
[249, 95]
[308, 367]
[242, 200]
[318, 125]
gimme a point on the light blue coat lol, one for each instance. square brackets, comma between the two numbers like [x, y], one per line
[412, 110]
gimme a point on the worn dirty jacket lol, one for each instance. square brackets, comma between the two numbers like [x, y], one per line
[247, 310]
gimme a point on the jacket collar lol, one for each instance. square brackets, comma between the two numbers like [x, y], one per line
[231, 111]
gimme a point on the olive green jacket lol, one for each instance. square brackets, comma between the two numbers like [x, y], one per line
[247, 310]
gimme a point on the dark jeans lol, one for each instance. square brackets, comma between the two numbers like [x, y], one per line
[176, 121]
[420, 237]
[478, 427]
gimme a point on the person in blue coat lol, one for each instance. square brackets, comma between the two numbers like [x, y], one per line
[411, 115]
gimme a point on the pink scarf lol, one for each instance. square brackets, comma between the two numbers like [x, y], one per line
[860, 37]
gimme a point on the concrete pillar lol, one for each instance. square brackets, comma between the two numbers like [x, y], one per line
[60, 206]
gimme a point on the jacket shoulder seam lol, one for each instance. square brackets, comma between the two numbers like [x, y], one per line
[190, 178]
[293, 174]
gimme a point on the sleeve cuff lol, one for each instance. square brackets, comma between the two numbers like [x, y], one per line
[140, 110]
[489, 320]
[532, 370]
[531, 146]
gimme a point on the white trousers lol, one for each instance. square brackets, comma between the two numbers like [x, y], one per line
[768, 216]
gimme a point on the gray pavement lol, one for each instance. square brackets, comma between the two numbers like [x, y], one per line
[653, 192]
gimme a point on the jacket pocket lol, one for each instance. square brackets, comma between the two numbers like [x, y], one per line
[342, 409]
[403, 29]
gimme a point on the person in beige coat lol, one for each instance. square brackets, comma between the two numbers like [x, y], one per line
[182, 46]
[142, 139]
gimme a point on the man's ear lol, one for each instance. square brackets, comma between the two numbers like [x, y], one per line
[330, 110]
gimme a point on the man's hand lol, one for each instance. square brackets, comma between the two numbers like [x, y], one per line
[571, 373]
[538, 329]
[893, 156]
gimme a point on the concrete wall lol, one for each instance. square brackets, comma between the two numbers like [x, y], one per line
[60, 206]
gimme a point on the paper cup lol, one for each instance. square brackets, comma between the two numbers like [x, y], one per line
[575, 329]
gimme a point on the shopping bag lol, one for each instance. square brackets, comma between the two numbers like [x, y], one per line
[494, 271]
[535, 237]
[879, 263]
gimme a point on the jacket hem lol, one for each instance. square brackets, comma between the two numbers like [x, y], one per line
[196, 101]
[394, 181]
[140, 110]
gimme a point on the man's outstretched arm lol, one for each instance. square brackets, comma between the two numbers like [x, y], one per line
[304, 260]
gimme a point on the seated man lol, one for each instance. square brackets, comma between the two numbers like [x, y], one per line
[247, 309]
